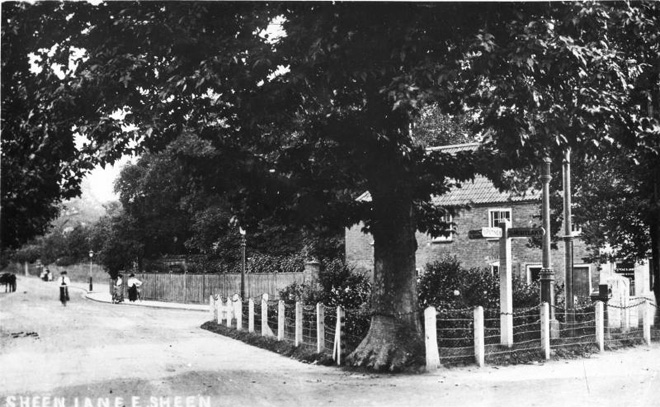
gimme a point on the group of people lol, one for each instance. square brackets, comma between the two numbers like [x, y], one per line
[118, 293]
[133, 285]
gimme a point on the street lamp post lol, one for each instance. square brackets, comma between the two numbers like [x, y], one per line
[91, 254]
[242, 232]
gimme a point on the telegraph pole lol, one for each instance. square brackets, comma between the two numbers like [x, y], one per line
[568, 238]
[547, 274]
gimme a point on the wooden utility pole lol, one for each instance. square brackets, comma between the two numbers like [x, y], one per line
[568, 239]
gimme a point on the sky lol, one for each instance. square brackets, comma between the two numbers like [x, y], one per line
[101, 181]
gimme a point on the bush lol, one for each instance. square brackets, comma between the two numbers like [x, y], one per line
[446, 285]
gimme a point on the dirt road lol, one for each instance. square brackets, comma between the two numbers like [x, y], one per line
[92, 354]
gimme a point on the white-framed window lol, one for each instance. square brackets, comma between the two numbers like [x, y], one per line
[495, 268]
[496, 215]
[533, 272]
[447, 218]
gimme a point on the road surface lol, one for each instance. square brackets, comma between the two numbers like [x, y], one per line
[92, 354]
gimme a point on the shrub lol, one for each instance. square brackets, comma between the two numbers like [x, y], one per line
[446, 285]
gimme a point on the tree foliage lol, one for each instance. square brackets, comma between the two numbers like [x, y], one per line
[300, 143]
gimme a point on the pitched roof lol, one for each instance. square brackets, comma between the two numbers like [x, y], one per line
[479, 191]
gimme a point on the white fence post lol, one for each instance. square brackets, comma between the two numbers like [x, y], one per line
[218, 309]
[336, 351]
[229, 310]
[600, 326]
[299, 324]
[239, 315]
[264, 317]
[250, 315]
[212, 307]
[646, 320]
[545, 329]
[479, 337]
[281, 320]
[431, 339]
[320, 327]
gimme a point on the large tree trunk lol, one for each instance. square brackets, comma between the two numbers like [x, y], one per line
[394, 341]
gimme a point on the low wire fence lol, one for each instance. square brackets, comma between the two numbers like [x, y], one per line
[453, 336]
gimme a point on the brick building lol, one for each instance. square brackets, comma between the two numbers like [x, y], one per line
[487, 207]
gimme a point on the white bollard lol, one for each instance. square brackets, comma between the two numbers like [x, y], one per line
[281, 320]
[298, 339]
[545, 329]
[238, 310]
[646, 321]
[228, 311]
[600, 326]
[250, 315]
[479, 337]
[431, 339]
[320, 327]
[218, 309]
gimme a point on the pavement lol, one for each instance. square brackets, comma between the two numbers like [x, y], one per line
[104, 296]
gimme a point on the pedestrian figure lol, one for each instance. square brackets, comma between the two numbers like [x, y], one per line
[118, 292]
[133, 288]
[64, 288]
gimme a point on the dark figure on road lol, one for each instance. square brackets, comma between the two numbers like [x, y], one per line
[133, 288]
[64, 288]
[9, 281]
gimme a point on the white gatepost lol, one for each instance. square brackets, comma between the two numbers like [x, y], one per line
[600, 326]
[238, 313]
[545, 329]
[298, 338]
[646, 321]
[281, 318]
[264, 316]
[336, 350]
[250, 315]
[431, 339]
[479, 337]
[506, 292]
[320, 327]
[229, 310]
[218, 309]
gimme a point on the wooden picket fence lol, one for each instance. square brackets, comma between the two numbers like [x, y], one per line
[196, 288]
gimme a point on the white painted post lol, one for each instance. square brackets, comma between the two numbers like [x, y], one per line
[238, 311]
[479, 337]
[545, 329]
[250, 315]
[229, 310]
[600, 326]
[320, 327]
[646, 320]
[506, 292]
[264, 317]
[431, 339]
[281, 320]
[336, 351]
[27, 269]
[218, 309]
[299, 324]
[212, 307]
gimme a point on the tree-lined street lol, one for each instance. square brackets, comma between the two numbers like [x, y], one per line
[102, 351]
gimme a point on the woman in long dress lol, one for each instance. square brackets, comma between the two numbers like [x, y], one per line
[64, 288]
[133, 288]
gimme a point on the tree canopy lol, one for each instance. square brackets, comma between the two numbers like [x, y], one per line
[298, 124]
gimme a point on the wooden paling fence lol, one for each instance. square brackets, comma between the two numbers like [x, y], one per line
[196, 288]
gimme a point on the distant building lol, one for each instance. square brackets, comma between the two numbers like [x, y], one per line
[488, 206]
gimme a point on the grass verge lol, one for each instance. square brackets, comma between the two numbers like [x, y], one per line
[284, 348]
